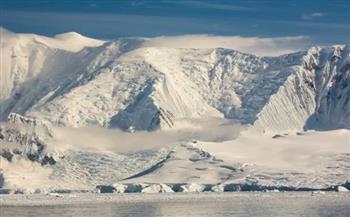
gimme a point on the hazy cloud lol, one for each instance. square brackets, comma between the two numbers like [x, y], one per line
[212, 5]
[313, 15]
[255, 45]
[96, 138]
[273, 46]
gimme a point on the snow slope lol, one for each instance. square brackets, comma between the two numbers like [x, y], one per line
[26, 56]
[123, 84]
[308, 160]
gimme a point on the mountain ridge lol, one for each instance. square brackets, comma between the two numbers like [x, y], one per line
[123, 84]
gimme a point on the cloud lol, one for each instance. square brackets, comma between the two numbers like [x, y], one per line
[318, 14]
[273, 46]
[255, 45]
[313, 15]
[211, 5]
[97, 138]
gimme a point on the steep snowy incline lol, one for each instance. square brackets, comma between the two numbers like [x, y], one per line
[24, 56]
[273, 94]
[332, 84]
[49, 72]
[122, 84]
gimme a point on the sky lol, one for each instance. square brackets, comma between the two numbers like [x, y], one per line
[312, 22]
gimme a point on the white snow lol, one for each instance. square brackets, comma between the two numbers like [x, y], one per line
[316, 160]
[74, 87]
[301, 152]
[309, 160]
[39, 61]
[130, 86]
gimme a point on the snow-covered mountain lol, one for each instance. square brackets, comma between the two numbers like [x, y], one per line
[122, 84]
[72, 80]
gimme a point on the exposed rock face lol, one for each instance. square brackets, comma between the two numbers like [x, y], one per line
[26, 137]
[332, 84]
[1, 179]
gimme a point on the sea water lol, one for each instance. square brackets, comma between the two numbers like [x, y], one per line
[249, 204]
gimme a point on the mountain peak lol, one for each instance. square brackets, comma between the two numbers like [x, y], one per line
[70, 36]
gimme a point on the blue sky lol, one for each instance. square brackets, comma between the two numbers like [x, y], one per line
[323, 22]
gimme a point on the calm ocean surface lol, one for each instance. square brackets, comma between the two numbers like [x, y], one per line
[274, 205]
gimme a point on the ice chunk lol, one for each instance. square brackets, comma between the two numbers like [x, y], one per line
[192, 187]
[218, 188]
[157, 188]
[342, 189]
[119, 188]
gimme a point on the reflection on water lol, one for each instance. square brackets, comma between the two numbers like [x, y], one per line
[277, 205]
